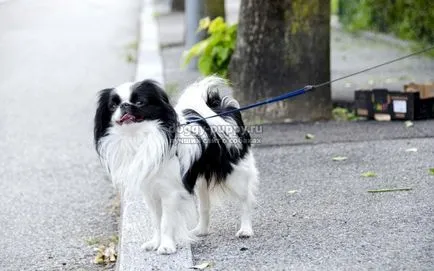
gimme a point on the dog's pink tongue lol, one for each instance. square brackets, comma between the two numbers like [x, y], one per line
[127, 118]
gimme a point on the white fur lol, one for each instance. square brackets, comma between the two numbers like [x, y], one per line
[124, 92]
[138, 157]
[240, 185]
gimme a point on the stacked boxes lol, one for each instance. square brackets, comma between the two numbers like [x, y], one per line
[416, 102]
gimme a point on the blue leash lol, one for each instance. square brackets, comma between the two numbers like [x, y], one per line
[305, 89]
[267, 101]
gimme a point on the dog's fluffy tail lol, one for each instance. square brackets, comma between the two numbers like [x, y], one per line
[205, 99]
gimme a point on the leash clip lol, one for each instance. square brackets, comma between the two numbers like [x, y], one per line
[309, 88]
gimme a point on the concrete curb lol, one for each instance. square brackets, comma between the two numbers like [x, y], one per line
[135, 225]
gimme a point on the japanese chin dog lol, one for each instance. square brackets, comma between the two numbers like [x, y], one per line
[173, 154]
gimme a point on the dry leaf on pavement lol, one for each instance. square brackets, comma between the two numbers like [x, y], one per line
[201, 266]
[369, 174]
[339, 158]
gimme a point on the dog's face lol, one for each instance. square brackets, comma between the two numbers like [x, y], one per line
[131, 104]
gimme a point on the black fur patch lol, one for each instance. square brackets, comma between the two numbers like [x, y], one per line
[216, 161]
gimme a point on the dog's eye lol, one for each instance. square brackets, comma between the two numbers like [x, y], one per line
[140, 103]
[113, 106]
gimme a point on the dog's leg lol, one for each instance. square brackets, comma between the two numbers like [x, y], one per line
[244, 182]
[202, 227]
[246, 217]
[169, 220]
[154, 207]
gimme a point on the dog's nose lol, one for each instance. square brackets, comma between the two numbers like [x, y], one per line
[125, 106]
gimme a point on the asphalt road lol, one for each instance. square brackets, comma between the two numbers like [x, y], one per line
[54, 57]
[314, 213]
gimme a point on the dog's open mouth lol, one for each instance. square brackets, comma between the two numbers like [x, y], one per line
[128, 118]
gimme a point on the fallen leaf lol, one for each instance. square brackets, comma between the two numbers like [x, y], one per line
[106, 254]
[389, 190]
[408, 124]
[111, 253]
[309, 136]
[431, 170]
[99, 258]
[339, 158]
[201, 266]
[292, 191]
[411, 150]
[369, 174]
[243, 249]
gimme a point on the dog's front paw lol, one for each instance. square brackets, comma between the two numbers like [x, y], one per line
[200, 231]
[244, 233]
[151, 245]
[166, 249]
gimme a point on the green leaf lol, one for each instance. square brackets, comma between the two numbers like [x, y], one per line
[205, 65]
[343, 114]
[220, 54]
[216, 50]
[217, 25]
[431, 171]
[339, 158]
[408, 124]
[201, 266]
[369, 174]
[309, 136]
[232, 29]
[195, 51]
[204, 24]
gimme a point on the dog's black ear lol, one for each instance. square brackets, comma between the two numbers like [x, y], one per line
[153, 87]
[102, 115]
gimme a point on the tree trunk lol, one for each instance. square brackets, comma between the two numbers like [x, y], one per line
[178, 5]
[214, 8]
[283, 45]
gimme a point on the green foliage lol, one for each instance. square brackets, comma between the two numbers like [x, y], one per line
[334, 6]
[214, 53]
[410, 20]
[343, 114]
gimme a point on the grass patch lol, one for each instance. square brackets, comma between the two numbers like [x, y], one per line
[116, 205]
[343, 114]
[91, 241]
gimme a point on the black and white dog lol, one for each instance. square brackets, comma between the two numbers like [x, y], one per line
[146, 144]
